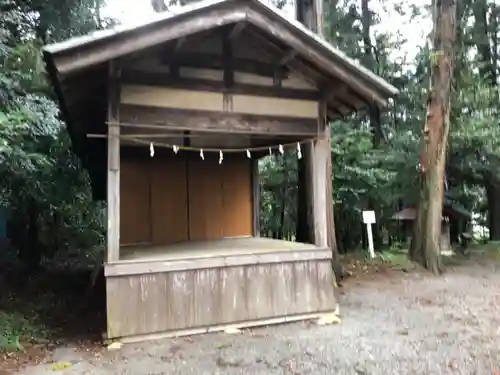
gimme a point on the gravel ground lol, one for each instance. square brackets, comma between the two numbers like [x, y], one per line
[391, 324]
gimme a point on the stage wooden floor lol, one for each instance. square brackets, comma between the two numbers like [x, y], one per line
[208, 249]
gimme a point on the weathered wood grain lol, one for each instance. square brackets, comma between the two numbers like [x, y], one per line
[113, 180]
[134, 41]
[191, 262]
[155, 120]
[139, 77]
[167, 97]
[201, 298]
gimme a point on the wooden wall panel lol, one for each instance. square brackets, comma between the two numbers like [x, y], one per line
[175, 199]
[165, 97]
[169, 216]
[135, 202]
[205, 199]
[173, 301]
[237, 197]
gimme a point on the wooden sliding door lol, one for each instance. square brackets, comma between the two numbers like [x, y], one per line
[174, 199]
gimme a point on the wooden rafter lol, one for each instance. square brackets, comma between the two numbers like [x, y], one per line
[138, 77]
[216, 61]
[289, 58]
[236, 30]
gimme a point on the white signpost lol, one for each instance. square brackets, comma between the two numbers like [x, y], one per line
[369, 219]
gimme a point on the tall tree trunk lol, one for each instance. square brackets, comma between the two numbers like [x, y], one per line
[310, 14]
[493, 195]
[425, 247]
[488, 72]
[373, 110]
[487, 67]
[305, 16]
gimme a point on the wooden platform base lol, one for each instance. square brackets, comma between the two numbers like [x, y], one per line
[210, 288]
[223, 327]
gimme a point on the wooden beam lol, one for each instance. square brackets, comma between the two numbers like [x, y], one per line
[341, 94]
[276, 30]
[137, 77]
[144, 37]
[174, 67]
[227, 60]
[331, 89]
[289, 56]
[261, 44]
[334, 113]
[236, 31]
[307, 73]
[174, 49]
[208, 121]
[127, 267]
[216, 61]
[113, 180]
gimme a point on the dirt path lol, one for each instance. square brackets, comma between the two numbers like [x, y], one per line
[403, 324]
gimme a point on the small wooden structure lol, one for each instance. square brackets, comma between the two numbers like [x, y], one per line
[450, 214]
[170, 118]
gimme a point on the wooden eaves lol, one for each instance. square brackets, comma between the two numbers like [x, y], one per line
[78, 68]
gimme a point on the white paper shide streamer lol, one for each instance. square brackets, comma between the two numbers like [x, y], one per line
[176, 149]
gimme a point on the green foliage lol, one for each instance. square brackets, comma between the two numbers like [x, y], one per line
[37, 168]
[38, 171]
[386, 177]
[278, 184]
[15, 328]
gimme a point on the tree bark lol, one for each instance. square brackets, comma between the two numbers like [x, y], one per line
[493, 196]
[305, 15]
[488, 72]
[373, 110]
[310, 14]
[425, 247]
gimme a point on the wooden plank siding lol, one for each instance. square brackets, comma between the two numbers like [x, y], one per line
[163, 97]
[237, 196]
[205, 199]
[151, 64]
[201, 298]
[135, 203]
[167, 200]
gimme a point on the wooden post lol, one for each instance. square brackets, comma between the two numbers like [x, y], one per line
[316, 155]
[113, 180]
[320, 151]
[256, 197]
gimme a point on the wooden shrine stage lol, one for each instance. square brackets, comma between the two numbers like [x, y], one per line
[197, 287]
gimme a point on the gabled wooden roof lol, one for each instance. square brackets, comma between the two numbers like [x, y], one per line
[81, 53]
[78, 67]
[410, 213]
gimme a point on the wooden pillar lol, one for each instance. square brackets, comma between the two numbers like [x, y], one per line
[113, 176]
[316, 155]
[256, 197]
